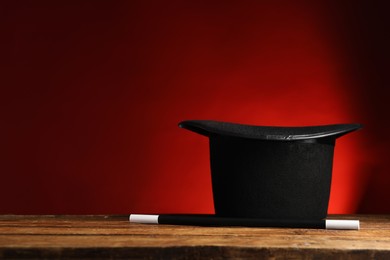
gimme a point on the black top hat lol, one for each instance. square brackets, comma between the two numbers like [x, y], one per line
[270, 172]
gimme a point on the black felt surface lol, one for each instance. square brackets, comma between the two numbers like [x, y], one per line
[270, 179]
[208, 128]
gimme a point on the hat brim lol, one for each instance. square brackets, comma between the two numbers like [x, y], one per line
[276, 133]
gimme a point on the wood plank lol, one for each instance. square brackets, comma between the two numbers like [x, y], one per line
[106, 236]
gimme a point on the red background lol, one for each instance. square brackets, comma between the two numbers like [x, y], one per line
[92, 91]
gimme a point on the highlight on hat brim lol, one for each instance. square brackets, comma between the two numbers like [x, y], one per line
[277, 133]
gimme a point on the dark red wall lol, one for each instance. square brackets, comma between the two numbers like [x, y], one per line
[92, 91]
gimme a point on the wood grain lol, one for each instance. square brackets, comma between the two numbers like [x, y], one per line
[115, 237]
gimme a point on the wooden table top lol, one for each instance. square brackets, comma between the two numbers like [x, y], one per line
[114, 237]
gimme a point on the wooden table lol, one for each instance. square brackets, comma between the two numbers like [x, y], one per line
[115, 237]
